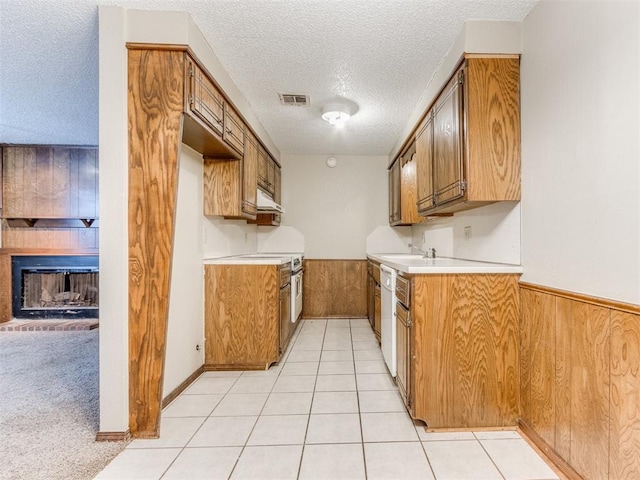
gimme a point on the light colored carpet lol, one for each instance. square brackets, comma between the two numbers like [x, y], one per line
[49, 412]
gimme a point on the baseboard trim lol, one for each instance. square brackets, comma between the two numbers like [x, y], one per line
[544, 449]
[113, 436]
[182, 387]
[333, 317]
[600, 302]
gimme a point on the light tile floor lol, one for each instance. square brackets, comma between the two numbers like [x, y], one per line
[328, 410]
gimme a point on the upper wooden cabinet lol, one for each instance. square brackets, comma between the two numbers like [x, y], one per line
[403, 189]
[211, 126]
[267, 168]
[230, 185]
[468, 145]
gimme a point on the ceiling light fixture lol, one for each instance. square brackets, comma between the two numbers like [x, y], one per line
[336, 114]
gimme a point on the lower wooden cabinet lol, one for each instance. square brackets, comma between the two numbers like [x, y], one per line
[374, 299]
[461, 349]
[245, 311]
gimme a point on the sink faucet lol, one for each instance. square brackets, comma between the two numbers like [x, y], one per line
[429, 253]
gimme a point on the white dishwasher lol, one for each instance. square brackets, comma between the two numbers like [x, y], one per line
[388, 314]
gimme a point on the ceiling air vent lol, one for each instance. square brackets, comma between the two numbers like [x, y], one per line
[294, 99]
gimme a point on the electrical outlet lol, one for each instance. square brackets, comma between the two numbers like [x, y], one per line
[204, 235]
[467, 232]
[246, 237]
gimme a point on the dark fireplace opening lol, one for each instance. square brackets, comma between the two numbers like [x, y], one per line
[55, 286]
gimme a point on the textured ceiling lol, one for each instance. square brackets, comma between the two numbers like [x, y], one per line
[377, 54]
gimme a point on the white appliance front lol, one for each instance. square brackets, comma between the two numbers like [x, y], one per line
[296, 295]
[388, 320]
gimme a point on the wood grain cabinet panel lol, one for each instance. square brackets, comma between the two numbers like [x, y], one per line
[465, 333]
[403, 189]
[242, 316]
[468, 144]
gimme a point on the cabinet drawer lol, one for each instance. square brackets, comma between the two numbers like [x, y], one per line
[205, 100]
[403, 290]
[376, 273]
[233, 129]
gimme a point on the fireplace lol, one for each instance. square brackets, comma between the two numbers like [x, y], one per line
[57, 286]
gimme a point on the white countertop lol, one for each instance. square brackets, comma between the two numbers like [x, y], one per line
[250, 259]
[417, 264]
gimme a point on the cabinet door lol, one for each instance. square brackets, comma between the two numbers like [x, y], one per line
[394, 193]
[205, 100]
[378, 312]
[424, 164]
[285, 317]
[409, 187]
[263, 168]
[233, 129]
[403, 352]
[448, 173]
[271, 176]
[277, 183]
[249, 177]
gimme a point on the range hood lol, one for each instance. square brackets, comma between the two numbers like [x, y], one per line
[266, 204]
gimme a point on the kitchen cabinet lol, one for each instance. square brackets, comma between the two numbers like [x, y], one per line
[210, 126]
[468, 144]
[230, 185]
[458, 348]
[374, 299]
[403, 189]
[267, 167]
[245, 311]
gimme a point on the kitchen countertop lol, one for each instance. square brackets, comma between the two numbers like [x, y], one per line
[417, 264]
[251, 259]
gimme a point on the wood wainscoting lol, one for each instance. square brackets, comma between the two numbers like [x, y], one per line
[580, 380]
[335, 289]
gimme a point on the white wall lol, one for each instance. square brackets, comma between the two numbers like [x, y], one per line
[334, 208]
[580, 175]
[495, 234]
[186, 307]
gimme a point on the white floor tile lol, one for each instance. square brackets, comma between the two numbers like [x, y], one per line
[360, 322]
[363, 336]
[336, 383]
[380, 401]
[336, 356]
[517, 460]
[192, 406]
[460, 460]
[388, 427]
[334, 428]
[367, 355]
[212, 463]
[304, 356]
[336, 368]
[254, 384]
[375, 381]
[223, 432]
[288, 403]
[272, 371]
[211, 385]
[295, 383]
[398, 460]
[240, 404]
[371, 366]
[332, 462]
[299, 368]
[222, 374]
[174, 432]
[443, 436]
[268, 463]
[279, 430]
[366, 344]
[335, 402]
[142, 464]
[338, 345]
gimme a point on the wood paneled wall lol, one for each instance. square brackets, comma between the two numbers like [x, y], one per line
[580, 380]
[49, 184]
[335, 289]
